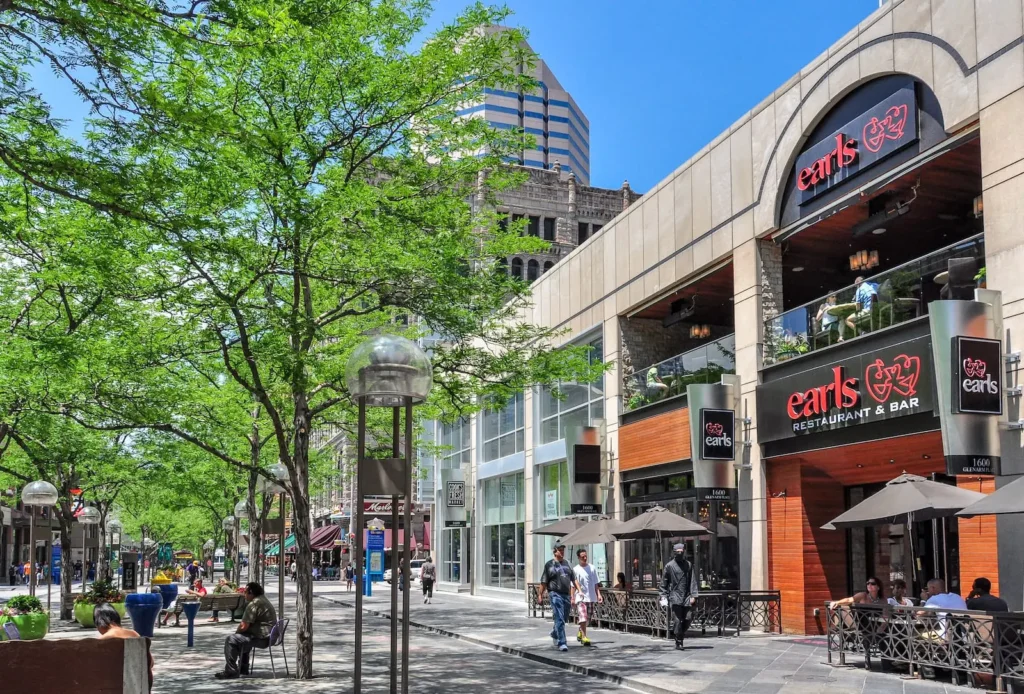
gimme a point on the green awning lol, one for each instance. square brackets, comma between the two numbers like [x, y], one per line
[289, 546]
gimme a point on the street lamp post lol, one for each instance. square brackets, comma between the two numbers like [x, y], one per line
[88, 516]
[208, 548]
[115, 551]
[241, 510]
[147, 546]
[229, 524]
[280, 473]
[38, 493]
[387, 371]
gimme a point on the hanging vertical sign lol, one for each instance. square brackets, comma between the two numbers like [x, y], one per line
[977, 386]
[719, 434]
[453, 486]
[375, 550]
[712, 440]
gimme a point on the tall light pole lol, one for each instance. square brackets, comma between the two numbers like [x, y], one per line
[88, 516]
[38, 493]
[241, 511]
[115, 550]
[147, 546]
[280, 473]
[229, 524]
[387, 371]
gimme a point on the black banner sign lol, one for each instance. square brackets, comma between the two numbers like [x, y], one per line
[718, 434]
[866, 140]
[456, 494]
[883, 384]
[977, 376]
[455, 524]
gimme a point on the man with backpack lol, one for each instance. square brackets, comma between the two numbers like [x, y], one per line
[428, 574]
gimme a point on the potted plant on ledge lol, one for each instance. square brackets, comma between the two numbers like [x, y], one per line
[99, 592]
[26, 612]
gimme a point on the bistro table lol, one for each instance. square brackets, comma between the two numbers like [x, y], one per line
[841, 311]
[942, 277]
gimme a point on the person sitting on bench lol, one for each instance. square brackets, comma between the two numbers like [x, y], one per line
[199, 591]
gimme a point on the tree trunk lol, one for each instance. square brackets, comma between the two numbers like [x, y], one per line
[101, 553]
[303, 548]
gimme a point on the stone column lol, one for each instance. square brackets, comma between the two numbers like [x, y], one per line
[531, 487]
[627, 196]
[1002, 169]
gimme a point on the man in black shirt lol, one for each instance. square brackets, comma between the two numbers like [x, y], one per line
[981, 597]
[557, 580]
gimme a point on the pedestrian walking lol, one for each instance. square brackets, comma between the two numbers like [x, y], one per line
[428, 574]
[557, 579]
[291, 570]
[586, 592]
[679, 591]
[13, 574]
[350, 575]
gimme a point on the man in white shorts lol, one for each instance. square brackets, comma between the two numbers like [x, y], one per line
[586, 592]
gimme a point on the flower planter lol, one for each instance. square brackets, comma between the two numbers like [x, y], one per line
[84, 610]
[31, 627]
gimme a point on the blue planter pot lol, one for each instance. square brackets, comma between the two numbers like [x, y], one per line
[169, 592]
[144, 608]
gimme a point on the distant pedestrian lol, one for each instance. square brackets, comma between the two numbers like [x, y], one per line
[12, 573]
[557, 579]
[193, 574]
[428, 574]
[586, 593]
[350, 576]
[291, 570]
[679, 591]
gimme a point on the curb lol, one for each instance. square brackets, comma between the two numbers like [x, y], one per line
[520, 653]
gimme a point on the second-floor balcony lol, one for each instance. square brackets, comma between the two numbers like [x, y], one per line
[668, 379]
[881, 301]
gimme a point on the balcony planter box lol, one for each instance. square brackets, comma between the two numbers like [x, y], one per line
[32, 626]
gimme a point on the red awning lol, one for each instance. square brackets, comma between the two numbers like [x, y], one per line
[323, 538]
[387, 539]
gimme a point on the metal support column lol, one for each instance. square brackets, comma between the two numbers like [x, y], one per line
[32, 552]
[357, 673]
[406, 541]
[280, 561]
[395, 564]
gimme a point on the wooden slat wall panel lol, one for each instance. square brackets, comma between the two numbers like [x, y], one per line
[824, 550]
[978, 541]
[664, 438]
[785, 541]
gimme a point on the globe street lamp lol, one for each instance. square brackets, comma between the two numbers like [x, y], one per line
[241, 511]
[280, 473]
[88, 516]
[387, 371]
[114, 553]
[38, 493]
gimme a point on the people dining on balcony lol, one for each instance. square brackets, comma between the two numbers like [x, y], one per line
[865, 296]
[656, 389]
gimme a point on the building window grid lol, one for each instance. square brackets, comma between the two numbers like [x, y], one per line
[455, 440]
[504, 511]
[503, 431]
[582, 404]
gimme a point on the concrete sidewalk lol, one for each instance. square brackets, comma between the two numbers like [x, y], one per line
[754, 663]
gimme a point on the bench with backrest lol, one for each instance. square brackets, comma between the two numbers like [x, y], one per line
[220, 602]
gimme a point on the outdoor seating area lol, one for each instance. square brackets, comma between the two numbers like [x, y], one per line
[669, 378]
[640, 611]
[896, 296]
[984, 649]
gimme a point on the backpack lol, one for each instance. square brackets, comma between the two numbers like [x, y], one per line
[428, 571]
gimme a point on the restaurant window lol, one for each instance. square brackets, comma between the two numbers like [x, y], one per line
[549, 228]
[455, 440]
[581, 404]
[532, 271]
[503, 430]
[533, 228]
[504, 531]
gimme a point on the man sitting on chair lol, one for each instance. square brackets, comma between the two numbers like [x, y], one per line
[655, 387]
[864, 297]
[254, 632]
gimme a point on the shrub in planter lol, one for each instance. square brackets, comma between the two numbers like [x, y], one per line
[99, 592]
[26, 612]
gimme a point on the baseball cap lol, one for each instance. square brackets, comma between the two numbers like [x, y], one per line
[557, 545]
[679, 547]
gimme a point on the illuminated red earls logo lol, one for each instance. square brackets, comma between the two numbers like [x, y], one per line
[714, 429]
[844, 154]
[890, 127]
[900, 377]
[842, 393]
[974, 368]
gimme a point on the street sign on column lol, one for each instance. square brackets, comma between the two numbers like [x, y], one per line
[375, 554]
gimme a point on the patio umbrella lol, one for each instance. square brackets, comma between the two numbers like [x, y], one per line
[903, 500]
[562, 527]
[658, 523]
[598, 532]
[906, 499]
[1009, 499]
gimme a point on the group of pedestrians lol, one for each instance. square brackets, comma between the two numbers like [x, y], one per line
[580, 586]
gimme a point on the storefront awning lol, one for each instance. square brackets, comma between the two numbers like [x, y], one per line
[323, 538]
[387, 539]
[289, 547]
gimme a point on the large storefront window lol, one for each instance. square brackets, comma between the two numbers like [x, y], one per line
[503, 430]
[455, 439]
[555, 492]
[716, 557]
[504, 531]
[581, 405]
[451, 543]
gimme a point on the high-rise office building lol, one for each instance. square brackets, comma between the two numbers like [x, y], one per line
[549, 113]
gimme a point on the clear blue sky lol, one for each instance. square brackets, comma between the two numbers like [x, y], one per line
[659, 79]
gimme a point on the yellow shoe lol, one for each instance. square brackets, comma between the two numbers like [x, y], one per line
[579, 636]
[585, 641]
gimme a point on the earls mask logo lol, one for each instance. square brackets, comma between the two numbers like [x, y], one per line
[978, 382]
[714, 429]
[890, 127]
[899, 377]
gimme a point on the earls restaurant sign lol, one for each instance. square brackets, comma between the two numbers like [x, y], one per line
[884, 384]
[874, 135]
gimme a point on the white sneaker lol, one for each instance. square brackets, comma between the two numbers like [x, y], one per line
[424, 601]
[429, 601]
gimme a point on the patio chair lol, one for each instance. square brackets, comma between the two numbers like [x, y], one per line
[277, 633]
[12, 632]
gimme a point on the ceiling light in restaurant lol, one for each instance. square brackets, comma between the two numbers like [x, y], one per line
[863, 260]
[698, 332]
[879, 231]
[798, 268]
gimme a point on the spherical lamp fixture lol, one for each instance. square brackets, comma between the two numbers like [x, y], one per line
[89, 515]
[228, 523]
[386, 369]
[242, 508]
[209, 545]
[39, 493]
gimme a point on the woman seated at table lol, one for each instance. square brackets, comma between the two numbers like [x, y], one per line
[899, 594]
[825, 319]
[873, 595]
